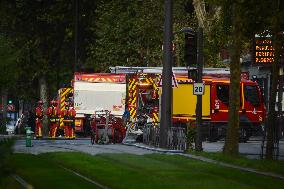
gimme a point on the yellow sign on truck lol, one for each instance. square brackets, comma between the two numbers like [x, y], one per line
[184, 101]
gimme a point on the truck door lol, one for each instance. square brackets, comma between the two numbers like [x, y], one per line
[220, 102]
[252, 103]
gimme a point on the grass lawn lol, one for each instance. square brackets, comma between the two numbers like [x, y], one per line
[42, 173]
[262, 165]
[130, 171]
[8, 182]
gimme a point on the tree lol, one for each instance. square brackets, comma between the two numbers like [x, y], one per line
[130, 33]
[42, 32]
[276, 28]
[232, 137]
[209, 15]
[7, 67]
[244, 19]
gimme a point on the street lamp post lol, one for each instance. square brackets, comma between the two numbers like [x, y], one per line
[166, 105]
[76, 36]
[198, 141]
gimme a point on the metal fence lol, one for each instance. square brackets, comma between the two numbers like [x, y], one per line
[176, 137]
[151, 135]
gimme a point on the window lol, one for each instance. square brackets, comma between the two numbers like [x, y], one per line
[251, 95]
[223, 93]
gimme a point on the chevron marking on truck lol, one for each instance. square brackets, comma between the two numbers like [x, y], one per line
[63, 93]
[153, 83]
[155, 118]
[131, 84]
[132, 88]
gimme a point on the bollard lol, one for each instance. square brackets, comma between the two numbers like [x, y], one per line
[28, 137]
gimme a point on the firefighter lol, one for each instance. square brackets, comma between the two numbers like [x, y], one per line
[53, 113]
[126, 116]
[38, 121]
[69, 120]
[72, 114]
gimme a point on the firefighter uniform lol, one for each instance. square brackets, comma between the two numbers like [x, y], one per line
[38, 121]
[53, 113]
[69, 114]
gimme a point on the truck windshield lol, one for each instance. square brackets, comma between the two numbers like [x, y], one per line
[223, 93]
[251, 95]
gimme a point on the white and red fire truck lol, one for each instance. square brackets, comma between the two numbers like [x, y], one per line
[137, 87]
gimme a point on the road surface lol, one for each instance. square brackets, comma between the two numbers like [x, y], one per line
[251, 149]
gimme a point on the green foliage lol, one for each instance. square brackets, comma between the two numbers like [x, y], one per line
[3, 123]
[130, 33]
[190, 137]
[6, 145]
[2, 127]
[40, 37]
[127, 34]
[41, 32]
[8, 65]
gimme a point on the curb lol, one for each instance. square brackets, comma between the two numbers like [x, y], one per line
[154, 149]
[22, 182]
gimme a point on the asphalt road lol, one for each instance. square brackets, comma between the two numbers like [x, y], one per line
[251, 149]
[78, 145]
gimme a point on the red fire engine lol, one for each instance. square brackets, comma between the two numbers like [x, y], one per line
[215, 106]
[137, 87]
[143, 92]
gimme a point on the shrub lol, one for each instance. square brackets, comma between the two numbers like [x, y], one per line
[6, 150]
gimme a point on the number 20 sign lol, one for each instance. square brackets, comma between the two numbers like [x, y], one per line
[198, 88]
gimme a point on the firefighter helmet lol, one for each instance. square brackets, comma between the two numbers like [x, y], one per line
[40, 102]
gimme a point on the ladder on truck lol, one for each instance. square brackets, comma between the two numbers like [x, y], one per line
[158, 70]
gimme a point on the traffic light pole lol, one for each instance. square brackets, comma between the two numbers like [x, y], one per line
[166, 106]
[198, 141]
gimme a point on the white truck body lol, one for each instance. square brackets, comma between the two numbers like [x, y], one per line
[90, 97]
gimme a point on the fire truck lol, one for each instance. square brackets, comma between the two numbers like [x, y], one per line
[215, 101]
[94, 92]
[137, 89]
[215, 106]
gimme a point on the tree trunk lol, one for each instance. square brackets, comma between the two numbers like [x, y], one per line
[199, 7]
[206, 20]
[21, 107]
[232, 137]
[44, 98]
[272, 127]
[4, 102]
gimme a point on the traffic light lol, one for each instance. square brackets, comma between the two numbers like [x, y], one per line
[190, 49]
